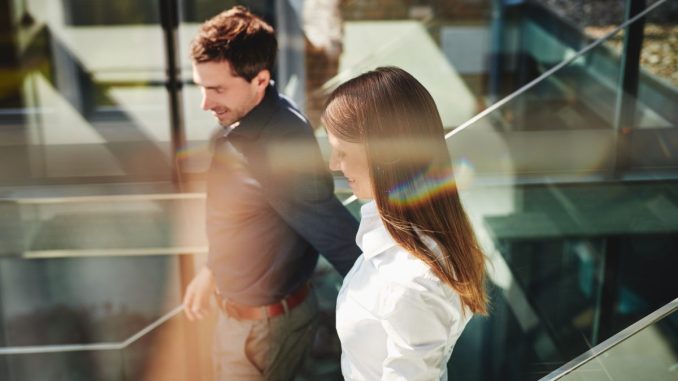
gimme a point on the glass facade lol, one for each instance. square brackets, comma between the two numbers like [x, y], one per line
[564, 146]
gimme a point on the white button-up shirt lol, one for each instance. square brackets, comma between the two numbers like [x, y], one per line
[395, 318]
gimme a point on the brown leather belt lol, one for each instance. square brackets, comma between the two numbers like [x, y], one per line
[242, 312]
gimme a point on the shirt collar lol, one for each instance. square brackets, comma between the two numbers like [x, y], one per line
[250, 126]
[372, 237]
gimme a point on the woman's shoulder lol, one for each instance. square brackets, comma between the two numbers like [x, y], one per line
[406, 282]
[400, 270]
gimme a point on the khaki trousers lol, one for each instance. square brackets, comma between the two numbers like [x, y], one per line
[269, 349]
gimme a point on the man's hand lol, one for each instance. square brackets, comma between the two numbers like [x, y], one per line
[198, 293]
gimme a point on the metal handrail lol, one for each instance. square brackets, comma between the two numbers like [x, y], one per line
[613, 341]
[23, 350]
[107, 198]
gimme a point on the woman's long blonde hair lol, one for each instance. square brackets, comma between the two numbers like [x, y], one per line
[396, 119]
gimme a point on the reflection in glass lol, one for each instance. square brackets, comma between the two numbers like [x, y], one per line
[86, 101]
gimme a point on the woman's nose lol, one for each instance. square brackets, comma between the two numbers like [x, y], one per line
[334, 163]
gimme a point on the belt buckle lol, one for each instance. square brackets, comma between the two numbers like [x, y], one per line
[227, 308]
[231, 310]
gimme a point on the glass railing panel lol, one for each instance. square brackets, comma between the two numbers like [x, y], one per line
[161, 345]
[84, 300]
[143, 355]
[576, 207]
[551, 32]
[85, 275]
[146, 224]
[95, 271]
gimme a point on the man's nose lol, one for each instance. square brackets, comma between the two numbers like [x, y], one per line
[206, 103]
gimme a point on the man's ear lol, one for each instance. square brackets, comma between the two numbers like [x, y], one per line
[262, 79]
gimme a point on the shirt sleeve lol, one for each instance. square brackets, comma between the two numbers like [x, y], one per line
[417, 326]
[299, 187]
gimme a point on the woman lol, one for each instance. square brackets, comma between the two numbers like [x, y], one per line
[421, 276]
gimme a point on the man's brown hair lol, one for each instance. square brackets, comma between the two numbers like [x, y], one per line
[246, 41]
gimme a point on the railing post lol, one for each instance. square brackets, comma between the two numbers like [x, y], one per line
[608, 289]
[169, 20]
[627, 92]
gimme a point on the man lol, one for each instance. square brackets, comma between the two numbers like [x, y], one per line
[270, 207]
